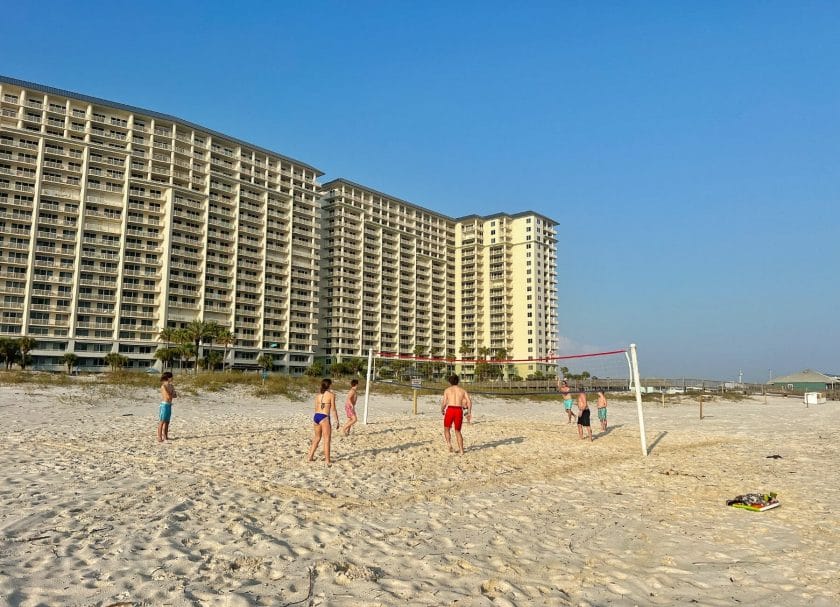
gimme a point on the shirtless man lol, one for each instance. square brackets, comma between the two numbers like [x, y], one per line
[455, 398]
[563, 387]
[583, 415]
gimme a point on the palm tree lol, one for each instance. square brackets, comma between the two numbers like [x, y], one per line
[25, 345]
[418, 352]
[225, 337]
[213, 358]
[213, 330]
[166, 356]
[357, 365]
[115, 361]
[436, 365]
[9, 351]
[188, 351]
[168, 334]
[70, 360]
[450, 366]
[198, 331]
[502, 354]
[266, 362]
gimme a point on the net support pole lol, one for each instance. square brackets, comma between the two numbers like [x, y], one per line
[367, 383]
[630, 371]
[635, 364]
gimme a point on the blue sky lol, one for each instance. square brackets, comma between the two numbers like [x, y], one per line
[689, 151]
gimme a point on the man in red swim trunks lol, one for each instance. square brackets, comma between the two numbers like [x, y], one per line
[455, 399]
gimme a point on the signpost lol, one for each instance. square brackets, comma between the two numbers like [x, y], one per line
[416, 384]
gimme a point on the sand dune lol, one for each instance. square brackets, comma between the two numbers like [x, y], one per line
[93, 511]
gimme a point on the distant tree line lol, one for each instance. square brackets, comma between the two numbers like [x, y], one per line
[564, 371]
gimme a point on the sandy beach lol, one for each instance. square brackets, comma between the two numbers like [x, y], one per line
[94, 512]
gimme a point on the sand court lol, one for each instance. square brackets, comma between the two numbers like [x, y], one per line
[93, 511]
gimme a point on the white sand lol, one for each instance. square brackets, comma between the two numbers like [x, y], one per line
[93, 511]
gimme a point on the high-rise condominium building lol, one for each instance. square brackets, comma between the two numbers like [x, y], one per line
[506, 269]
[118, 222]
[389, 278]
[401, 279]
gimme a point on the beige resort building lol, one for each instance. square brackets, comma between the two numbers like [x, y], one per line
[398, 278]
[116, 222]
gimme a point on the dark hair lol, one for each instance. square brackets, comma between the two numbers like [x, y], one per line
[166, 376]
[325, 385]
[354, 382]
[454, 379]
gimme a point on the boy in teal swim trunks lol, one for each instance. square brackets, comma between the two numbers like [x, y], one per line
[563, 387]
[602, 410]
[167, 393]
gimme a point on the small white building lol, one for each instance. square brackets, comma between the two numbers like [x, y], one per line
[814, 398]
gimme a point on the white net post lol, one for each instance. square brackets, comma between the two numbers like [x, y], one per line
[367, 384]
[630, 372]
[635, 369]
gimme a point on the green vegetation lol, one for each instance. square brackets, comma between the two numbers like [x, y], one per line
[70, 360]
[266, 362]
[116, 361]
[195, 341]
[16, 378]
[119, 381]
[16, 351]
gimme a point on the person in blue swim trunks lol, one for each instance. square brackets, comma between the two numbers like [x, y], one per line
[167, 394]
[324, 408]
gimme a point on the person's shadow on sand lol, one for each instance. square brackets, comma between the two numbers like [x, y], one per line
[609, 429]
[514, 440]
[378, 450]
[401, 429]
[223, 434]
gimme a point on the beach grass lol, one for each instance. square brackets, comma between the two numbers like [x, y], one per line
[16, 377]
[116, 383]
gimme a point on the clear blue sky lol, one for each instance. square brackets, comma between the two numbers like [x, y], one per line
[689, 151]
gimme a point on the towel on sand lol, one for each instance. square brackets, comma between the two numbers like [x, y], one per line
[758, 502]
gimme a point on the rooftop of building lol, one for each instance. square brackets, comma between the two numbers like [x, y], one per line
[341, 180]
[805, 376]
[518, 215]
[152, 114]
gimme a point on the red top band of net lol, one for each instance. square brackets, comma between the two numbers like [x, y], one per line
[395, 356]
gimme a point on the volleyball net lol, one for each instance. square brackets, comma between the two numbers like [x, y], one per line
[493, 374]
